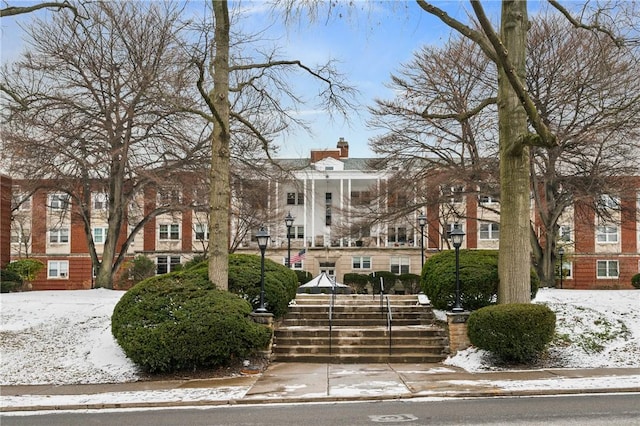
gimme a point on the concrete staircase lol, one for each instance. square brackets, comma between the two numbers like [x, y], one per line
[359, 331]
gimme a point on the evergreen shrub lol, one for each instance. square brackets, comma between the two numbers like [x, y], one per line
[389, 279]
[478, 279]
[280, 282]
[515, 332]
[635, 281]
[358, 282]
[9, 281]
[180, 321]
[303, 276]
[410, 283]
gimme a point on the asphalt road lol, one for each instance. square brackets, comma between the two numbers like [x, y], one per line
[583, 410]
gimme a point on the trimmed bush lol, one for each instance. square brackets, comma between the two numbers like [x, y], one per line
[478, 279]
[180, 321]
[515, 332]
[635, 281]
[9, 281]
[27, 269]
[358, 282]
[280, 282]
[389, 280]
[410, 283]
[303, 276]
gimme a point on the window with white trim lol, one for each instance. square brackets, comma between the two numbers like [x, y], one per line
[169, 231]
[99, 235]
[607, 234]
[564, 233]
[58, 269]
[609, 201]
[567, 267]
[452, 194]
[100, 201]
[201, 231]
[607, 269]
[361, 262]
[297, 232]
[397, 234]
[20, 200]
[169, 196]
[166, 264]
[487, 199]
[489, 231]
[58, 201]
[400, 265]
[294, 198]
[59, 236]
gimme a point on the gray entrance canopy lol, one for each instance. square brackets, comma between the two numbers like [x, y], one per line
[324, 284]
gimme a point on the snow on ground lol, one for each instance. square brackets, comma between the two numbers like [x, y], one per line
[64, 337]
[594, 328]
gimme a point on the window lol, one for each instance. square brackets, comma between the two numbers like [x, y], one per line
[170, 232]
[99, 235]
[452, 194]
[294, 198]
[58, 201]
[448, 227]
[400, 265]
[20, 201]
[327, 198]
[360, 198]
[487, 199]
[609, 202]
[361, 262]
[489, 231]
[167, 264]
[607, 234]
[59, 236]
[329, 168]
[168, 196]
[328, 268]
[202, 232]
[327, 216]
[567, 267]
[100, 201]
[607, 268]
[565, 233]
[18, 237]
[397, 234]
[58, 269]
[297, 232]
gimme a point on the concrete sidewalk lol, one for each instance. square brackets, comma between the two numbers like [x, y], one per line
[301, 382]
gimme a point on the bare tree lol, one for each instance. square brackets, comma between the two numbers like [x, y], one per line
[100, 116]
[583, 86]
[248, 101]
[56, 5]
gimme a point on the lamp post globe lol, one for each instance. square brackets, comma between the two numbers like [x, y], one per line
[422, 221]
[288, 221]
[457, 236]
[263, 238]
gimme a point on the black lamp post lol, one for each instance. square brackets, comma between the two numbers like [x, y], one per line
[422, 221]
[263, 238]
[288, 220]
[561, 253]
[457, 235]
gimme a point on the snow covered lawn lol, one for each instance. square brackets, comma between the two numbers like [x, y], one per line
[64, 337]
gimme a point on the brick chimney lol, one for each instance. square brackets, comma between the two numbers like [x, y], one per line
[343, 146]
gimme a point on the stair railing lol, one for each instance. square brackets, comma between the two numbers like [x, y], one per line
[332, 300]
[389, 322]
[381, 295]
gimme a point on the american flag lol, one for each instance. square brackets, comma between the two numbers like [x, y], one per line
[296, 258]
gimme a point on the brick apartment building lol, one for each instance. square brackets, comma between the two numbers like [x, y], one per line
[327, 187]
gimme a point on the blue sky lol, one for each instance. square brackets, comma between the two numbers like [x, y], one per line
[370, 42]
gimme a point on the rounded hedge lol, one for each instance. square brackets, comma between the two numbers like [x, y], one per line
[303, 276]
[180, 321]
[280, 282]
[357, 282]
[514, 331]
[9, 281]
[635, 281]
[478, 279]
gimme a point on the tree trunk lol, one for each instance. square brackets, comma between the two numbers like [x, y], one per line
[515, 256]
[220, 199]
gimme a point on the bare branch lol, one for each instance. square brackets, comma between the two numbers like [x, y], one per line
[576, 23]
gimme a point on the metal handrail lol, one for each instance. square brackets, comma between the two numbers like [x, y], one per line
[389, 321]
[331, 304]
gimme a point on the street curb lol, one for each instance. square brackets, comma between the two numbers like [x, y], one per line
[327, 399]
